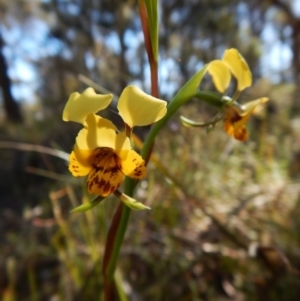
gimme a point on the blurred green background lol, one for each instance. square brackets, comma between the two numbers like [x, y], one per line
[224, 223]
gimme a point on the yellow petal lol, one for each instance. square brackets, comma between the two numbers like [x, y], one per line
[122, 142]
[81, 162]
[106, 175]
[220, 75]
[100, 132]
[132, 164]
[138, 108]
[80, 105]
[250, 106]
[239, 68]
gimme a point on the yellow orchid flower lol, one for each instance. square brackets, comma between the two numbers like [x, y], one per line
[135, 107]
[105, 156]
[236, 115]
[101, 152]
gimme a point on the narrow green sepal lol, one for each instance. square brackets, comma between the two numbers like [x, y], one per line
[89, 205]
[130, 202]
[190, 123]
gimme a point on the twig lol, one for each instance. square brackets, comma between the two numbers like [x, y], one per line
[35, 148]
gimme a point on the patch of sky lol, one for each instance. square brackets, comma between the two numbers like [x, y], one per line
[12, 32]
[66, 53]
[174, 52]
[178, 15]
[138, 83]
[276, 54]
[112, 41]
[269, 34]
[71, 8]
[202, 43]
[70, 34]
[8, 54]
[192, 63]
[168, 76]
[30, 50]
[23, 92]
[287, 31]
[242, 16]
[53, 46]
[133, 39]
[198, 66]
[133, 63]
[296, 7]
[242, 10]
[136, 23]
[90, 61]
[95, 15]
[206, 43]
[275, 60]
[36, 29]
[24, 44]
[22, 71]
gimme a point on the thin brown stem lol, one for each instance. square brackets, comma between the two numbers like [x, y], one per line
[108, 285]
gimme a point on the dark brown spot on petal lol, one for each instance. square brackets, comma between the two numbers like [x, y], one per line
[112, 189]
[106, 187]
[113, 170]
[97, 168]
[101, 183]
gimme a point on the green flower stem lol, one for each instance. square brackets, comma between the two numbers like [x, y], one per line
[207, 96]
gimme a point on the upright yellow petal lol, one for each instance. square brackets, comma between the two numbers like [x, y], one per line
[122, 142]
[220, 75]
[138, 108]
[100, 132]
[80, 105]
[239, 68]
[81, 162]
[132, 164]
